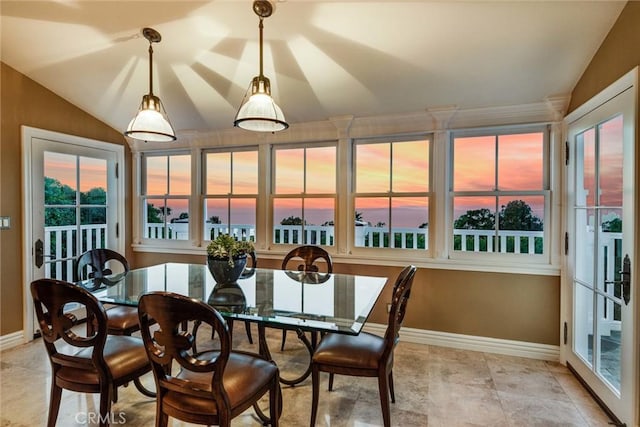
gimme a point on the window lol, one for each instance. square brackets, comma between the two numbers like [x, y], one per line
[304, 195]
[500, 192]
[165, 196]
[392, 195]
[231, 192]
[466, 197]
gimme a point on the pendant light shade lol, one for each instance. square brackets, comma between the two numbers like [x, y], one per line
[258, 111]
[151, 124]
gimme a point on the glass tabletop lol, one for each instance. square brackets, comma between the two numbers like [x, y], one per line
[309, 301]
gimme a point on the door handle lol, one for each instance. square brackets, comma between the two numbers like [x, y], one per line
[625, 281]
[39, 253]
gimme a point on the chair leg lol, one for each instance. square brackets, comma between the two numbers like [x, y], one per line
[106, 397]
[330, 382]
[315, 387]
[54, 404]
[247, 328]
[275, 400]
[162, 419]
[284, 338]
[383, 389]
[393, 395]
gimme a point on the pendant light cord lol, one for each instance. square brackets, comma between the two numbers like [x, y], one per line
[150, 69]
[261, 27]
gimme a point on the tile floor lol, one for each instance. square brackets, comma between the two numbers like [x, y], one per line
[435, 386]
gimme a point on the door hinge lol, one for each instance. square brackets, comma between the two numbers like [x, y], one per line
[566, 333]
[566, 153]
[566, 243]
[117, 230]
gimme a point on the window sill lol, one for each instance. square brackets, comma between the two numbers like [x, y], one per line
[480, 265]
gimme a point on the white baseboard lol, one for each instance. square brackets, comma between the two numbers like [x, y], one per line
[474, 343]
[11, 340]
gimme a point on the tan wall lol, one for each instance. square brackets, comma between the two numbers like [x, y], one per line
[24, 102]
[618, 54]
[507, 306]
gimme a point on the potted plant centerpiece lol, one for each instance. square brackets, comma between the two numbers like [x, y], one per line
[227, 257]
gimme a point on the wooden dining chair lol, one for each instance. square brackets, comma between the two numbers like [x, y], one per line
[100, 265]
[310, 257]
[90, 362]
[364, 355]
[94, 264]
[210, 387]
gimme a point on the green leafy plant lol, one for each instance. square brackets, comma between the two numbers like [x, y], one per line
[227, 247]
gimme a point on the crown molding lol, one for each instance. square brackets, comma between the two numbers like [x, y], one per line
[432, 119]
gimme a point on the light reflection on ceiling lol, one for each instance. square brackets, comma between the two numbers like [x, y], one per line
[324, 59]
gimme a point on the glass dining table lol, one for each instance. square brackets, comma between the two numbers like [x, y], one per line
[294, 300]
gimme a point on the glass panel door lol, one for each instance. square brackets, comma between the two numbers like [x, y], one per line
[74, 202]
[600, 225]
[599, 239]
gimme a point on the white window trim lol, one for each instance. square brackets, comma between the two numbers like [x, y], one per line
[139, 243]
[439, 121]
[391, 253]
[549, 193]
[201, 167]
[286, 247]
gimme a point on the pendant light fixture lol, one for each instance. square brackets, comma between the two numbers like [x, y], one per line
[260, 113]
[151, 124]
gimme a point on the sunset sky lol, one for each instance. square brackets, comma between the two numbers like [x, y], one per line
[63, 167]
[519, 168]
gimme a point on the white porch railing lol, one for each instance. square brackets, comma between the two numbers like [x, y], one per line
[60, 245]
[484, 241]
[403, 237]
[365, 236]
[612, 251]
[311, 235]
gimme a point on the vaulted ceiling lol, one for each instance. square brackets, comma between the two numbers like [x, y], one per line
[324, 59]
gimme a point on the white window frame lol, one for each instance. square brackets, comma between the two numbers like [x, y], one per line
[273, 196]
[394, 253]
[499, 258]
[230, 196]
[164, 245]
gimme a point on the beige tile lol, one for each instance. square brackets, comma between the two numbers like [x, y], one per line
[589, 409]
[435, 386]
[531, 411]
[462, 404]
[527, 377]
[460, 372]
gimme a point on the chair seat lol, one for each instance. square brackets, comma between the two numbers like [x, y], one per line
[123, 318]
[243, 376]
[359, 351]
[124, 355]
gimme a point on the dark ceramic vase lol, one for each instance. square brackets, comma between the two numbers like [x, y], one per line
[222, 272]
